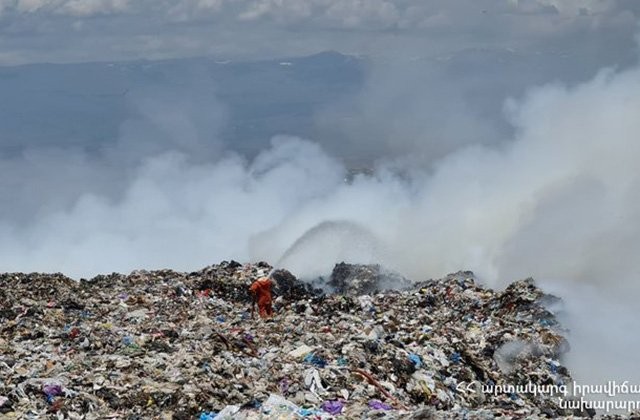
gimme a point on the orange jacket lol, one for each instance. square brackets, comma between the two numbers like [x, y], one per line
[261, 288]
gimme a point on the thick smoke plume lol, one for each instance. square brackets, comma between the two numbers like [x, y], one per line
[560, 202]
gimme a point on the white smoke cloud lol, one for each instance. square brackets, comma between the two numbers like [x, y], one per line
[174, 213]
[411, 107]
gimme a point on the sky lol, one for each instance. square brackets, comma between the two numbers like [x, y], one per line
[499, 136]
[33, 31]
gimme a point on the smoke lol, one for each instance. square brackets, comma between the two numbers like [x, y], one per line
[560, 202]
[44, 177]
[410, 107]
[174, 213]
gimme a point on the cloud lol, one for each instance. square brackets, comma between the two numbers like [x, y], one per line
[124, 29]
[358, 13]
[188, 10]
[348, 13]
[338, 13]
[575, 7]
[77, 8]
[94, 7]
[284, 11]
[30, 6]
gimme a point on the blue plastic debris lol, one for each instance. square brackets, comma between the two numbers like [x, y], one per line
[416, 360]
[455, 357]
[306, 412]
[208, 415]
[312, 359]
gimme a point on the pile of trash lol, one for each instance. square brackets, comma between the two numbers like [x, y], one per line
[164, 344]
[359, 279]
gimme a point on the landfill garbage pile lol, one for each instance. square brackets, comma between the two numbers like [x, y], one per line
[164, 344]
[358, 279]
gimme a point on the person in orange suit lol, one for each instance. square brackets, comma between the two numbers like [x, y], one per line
[261, 294]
